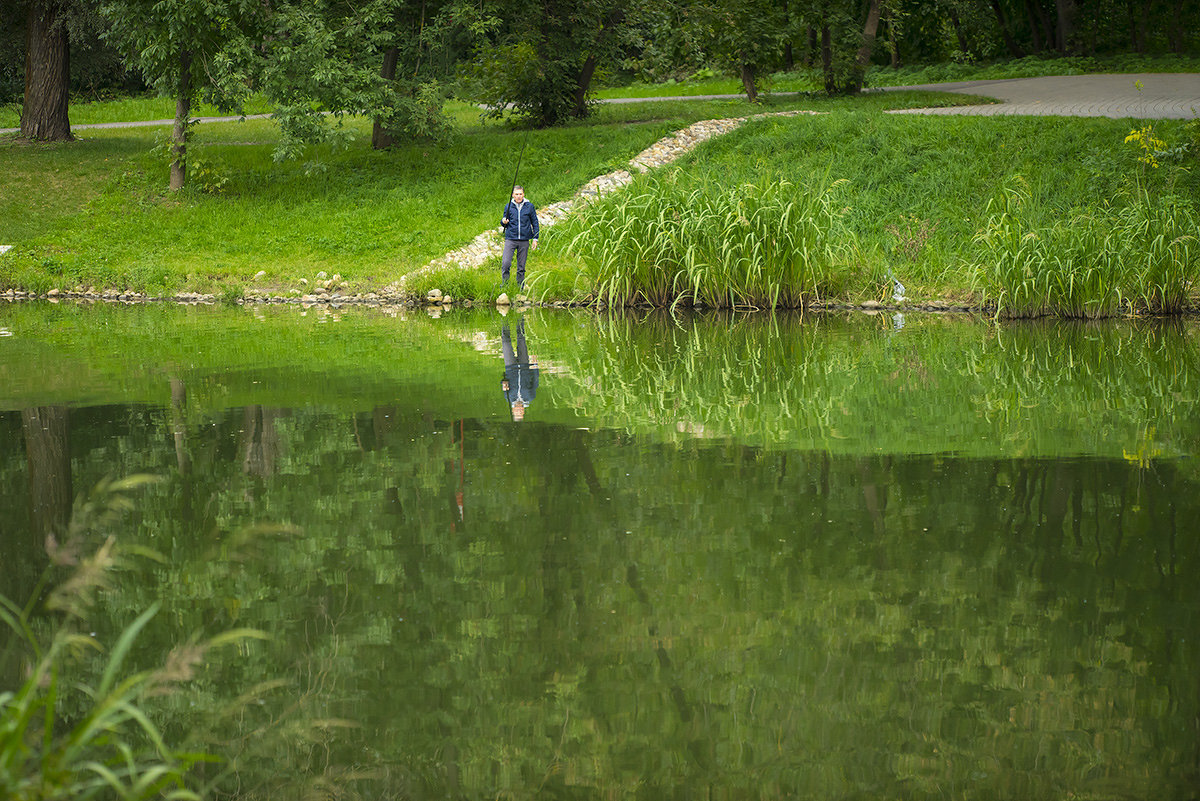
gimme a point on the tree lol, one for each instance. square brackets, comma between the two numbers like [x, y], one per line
[315, 62]
[47, 73]
[539, 63]
[748, 35]
[329, 59]
[186, 48]
[848, 33]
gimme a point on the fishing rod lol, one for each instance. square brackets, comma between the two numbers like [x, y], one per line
[516, 173]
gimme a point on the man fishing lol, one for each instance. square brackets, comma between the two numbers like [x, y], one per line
[520, 227]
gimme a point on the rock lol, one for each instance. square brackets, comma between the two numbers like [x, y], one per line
[53, 293]
[321, 276]
[522, 299]
[447, 300]
[433, 295]
[303, 282]
[871, 304]
[503, 300]
[260, 275]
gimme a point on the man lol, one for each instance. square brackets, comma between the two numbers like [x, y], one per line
[520, 227]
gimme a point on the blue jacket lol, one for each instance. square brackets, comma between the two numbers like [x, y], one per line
[522, 222]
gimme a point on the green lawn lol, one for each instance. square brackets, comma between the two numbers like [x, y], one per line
[95, 211]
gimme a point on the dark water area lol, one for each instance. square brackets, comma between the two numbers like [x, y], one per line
[723, 557]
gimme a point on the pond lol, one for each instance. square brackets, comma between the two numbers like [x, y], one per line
[729, 556]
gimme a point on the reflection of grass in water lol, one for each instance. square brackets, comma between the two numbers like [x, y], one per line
[850, 386]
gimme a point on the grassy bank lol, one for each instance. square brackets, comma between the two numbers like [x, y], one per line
[95, 212]
[915, 198]
[920, 199]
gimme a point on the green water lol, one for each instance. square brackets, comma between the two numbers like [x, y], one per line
[729, 557]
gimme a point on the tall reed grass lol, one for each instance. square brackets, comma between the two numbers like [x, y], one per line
[76, 725]
[1141, 257]
[679, 240]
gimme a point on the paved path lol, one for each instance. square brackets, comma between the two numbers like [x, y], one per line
[150, 123]
[1162, 96]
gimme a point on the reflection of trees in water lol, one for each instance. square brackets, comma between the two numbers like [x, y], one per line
[260, 448]
[623, 612]
[47, 446]
[855, 386]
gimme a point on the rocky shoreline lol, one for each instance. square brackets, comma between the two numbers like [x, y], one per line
[435, 302]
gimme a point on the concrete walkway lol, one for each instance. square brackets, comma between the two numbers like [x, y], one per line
[149, 123]
[1163, 96]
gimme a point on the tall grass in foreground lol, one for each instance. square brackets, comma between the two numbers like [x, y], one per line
[769, 244]
[1142, 257]
[68, 732]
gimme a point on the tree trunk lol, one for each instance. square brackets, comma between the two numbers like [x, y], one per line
[831, 86]
[958, 32]
[893, 46]
[1013, 48]
[585, 81]
[748, 83]
[1039, 25]
[183, 111]
[380, 138]
[1139, 15]
[810, 58]
[863, 57]
[1064, 30]
[1176, 40]
[47, 75]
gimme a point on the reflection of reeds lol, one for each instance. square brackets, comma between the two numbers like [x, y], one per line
[771, 244]
[851, 386]
[1141, 258]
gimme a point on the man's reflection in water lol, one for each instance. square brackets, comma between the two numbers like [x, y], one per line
[520, 371]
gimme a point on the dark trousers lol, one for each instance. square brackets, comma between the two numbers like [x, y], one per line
[521, 248]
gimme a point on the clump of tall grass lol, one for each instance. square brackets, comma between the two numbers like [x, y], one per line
[1139, 257]
[769, 244]
[67, 732]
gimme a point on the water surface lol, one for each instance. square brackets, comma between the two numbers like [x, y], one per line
[721, 557]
